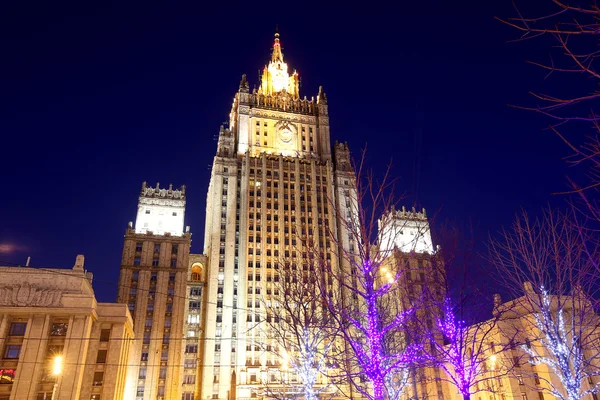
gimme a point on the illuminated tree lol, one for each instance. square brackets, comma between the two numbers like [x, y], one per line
[363, 293]
[470, 355]
[465, 343]
[552, 257]
[300, 331]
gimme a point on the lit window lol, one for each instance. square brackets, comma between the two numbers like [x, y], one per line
[59, 329]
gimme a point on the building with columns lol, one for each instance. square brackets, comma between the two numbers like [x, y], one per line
[50, 317]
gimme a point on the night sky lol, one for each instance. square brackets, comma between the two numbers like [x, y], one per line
[97, 98]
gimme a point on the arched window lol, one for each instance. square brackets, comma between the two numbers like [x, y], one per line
[196, 272]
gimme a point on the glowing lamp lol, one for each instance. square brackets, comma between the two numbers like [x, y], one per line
[57, 365]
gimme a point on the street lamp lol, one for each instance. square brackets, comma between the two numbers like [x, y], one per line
[57, 369]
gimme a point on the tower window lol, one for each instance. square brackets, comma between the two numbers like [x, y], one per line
[147, 211]
[174, 214]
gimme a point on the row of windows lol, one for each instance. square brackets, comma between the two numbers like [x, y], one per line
[140, 245]
[135, 276]
[286, 176]
[174, 214]
[19, 328]
[155, 262]
[13, 351]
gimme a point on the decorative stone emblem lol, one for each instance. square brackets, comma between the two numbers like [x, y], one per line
[285, 135]
[26, 295]
[285, 131]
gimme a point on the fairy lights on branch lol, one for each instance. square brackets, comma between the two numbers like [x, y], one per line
[562, 346]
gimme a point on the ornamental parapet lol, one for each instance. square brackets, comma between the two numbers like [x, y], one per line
[283, 102]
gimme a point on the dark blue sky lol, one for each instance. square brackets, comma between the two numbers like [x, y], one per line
[97, 98]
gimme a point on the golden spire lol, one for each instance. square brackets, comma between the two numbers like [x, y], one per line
[275, 77]
[277, 55]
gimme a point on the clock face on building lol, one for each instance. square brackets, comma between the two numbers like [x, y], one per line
[286, 135]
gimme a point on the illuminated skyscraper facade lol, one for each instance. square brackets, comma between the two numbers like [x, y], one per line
[273, 185]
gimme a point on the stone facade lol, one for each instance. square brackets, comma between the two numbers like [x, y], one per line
[47, 313]
[153, 283]
[194, 317]
[273, 189]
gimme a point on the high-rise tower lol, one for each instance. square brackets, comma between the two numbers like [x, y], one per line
[154, 278]
[273, 183]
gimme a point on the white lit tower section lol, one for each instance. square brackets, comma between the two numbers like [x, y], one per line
[160, 211]
[407, 231]
[153, 282]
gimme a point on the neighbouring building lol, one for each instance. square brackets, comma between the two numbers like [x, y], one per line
[51, 317]
[153, 282]
[507, 373]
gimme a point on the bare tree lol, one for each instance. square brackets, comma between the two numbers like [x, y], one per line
[570, 30]
[550, 258]
[365, 294]
[300, 332]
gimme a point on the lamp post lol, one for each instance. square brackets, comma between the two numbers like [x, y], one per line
[57, 369]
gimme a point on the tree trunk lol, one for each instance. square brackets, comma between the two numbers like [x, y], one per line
[378, 389]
